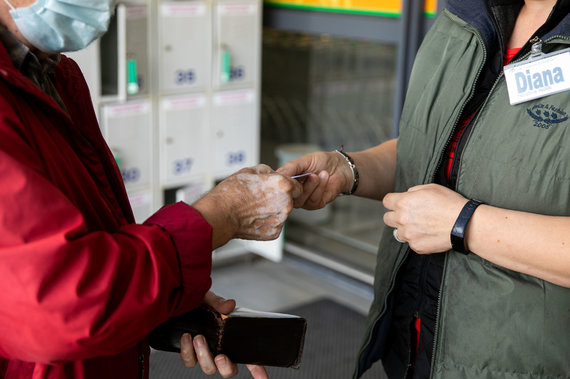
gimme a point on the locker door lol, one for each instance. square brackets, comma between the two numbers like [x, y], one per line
[184, 46]
[127, 127]
[184, 139]
[237, 44]
[137, 54]
[235, 131]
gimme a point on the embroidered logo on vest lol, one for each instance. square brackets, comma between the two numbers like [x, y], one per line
[546, 115]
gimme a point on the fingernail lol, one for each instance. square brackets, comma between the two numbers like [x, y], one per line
[221, 361]
[200, 341]
[186, 339]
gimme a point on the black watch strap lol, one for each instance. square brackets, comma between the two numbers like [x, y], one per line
[458, 230]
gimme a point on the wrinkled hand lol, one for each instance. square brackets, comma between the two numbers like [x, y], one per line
[196, 350]
[331, 176]
[424, 216]
[251, 204]
[261, 201]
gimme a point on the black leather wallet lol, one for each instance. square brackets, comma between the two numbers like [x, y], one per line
[245, 336]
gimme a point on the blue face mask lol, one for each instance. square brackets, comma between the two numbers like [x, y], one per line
[54, 26]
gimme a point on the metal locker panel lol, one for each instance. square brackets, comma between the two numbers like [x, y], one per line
[237, 44]
[127, 127]
[184, 46]
[184, 139]
[141, 204]
[235, 128]
[137, 53]
[272, 250]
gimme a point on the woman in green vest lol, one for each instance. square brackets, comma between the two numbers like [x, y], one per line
[473, 271]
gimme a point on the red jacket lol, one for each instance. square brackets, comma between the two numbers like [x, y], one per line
[81, 285]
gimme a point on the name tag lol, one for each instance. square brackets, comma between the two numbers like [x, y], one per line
[538, 77]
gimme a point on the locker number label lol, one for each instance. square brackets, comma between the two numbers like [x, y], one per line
[182, 77]
[236, 158]
[237, 73]
[182, 166]
[131, 175]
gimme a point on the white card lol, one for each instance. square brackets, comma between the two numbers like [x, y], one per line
[538, 77]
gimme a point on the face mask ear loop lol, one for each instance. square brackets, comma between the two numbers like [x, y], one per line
[10, 5]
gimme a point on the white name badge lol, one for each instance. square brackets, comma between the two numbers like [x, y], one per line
[538, 77]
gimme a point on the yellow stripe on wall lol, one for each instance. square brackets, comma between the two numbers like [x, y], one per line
[378, 7]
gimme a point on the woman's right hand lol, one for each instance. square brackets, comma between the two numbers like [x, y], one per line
[331, 175]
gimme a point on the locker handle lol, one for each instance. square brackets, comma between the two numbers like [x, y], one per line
[226, 63]
[132, 74]
[116, 156]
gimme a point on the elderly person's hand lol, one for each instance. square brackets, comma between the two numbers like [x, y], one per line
[424, 216]
[251, 204]
[195, 350]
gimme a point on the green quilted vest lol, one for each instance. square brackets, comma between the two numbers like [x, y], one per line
[492, 322]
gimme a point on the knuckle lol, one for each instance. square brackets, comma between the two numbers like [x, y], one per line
[231, 373]
[402, 219]
[401, 203]
[209, 370]
[189, 364]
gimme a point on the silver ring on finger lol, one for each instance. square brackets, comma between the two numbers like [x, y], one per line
[395, 233]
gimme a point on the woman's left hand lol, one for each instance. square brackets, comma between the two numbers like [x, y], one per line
[424, 216]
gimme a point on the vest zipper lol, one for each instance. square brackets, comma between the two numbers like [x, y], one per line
[422, 282]
[433, 179]
[471, 94]
[459, 149]
[385, 307]
[457, 154]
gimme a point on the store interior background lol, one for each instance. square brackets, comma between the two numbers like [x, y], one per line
[313, 79]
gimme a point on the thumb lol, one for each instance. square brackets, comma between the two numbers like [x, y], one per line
[297, 189]
[294, 167]
[284, 170]
[219, 303]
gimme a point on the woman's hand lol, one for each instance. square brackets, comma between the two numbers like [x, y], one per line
[195, 350]
[331, 176]
[424, 216]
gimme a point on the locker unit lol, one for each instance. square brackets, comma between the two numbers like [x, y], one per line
[237, 39]
[184, 139]
[184, 45]
[124, 55]
[127, 127]
[137, 50]
[234, 131]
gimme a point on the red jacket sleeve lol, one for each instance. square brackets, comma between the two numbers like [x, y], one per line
[69, 292]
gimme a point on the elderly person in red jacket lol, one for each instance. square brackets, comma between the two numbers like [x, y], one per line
[81, 284]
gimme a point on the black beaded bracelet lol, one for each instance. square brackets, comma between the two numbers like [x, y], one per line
[352, 166]
[458, 231]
